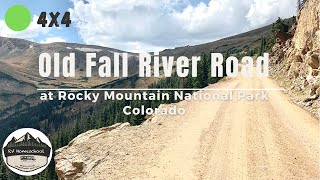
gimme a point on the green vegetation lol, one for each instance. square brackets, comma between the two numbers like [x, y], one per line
[300, 4]
[280, 25]
[266, 44]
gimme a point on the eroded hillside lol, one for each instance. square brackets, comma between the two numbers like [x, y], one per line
[295, 62]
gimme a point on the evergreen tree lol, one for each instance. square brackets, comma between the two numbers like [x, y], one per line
[202, 79]
[3, 173]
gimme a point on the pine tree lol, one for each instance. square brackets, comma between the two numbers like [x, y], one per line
[262, 45]
[202, 79]
[77, 128]
[189, 82]
[299, 5]
[3, 173]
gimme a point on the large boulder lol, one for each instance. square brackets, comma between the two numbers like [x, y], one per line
[72, 161]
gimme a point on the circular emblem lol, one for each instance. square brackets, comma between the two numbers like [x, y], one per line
[18, 18]
[27, 152]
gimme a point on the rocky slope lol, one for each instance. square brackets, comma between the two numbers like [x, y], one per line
[296, 61]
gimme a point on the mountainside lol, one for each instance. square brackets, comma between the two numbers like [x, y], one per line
[273, 139]
[295, 62]
[19, 66]
[19, 63]
[19, 59]
[244, 42]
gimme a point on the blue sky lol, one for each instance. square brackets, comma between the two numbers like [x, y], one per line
[148, 25]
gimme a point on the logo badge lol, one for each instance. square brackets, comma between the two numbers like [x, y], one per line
[27, 152]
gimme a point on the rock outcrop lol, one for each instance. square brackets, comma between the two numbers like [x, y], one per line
[72, 164]
[103, 153]
[298, 58]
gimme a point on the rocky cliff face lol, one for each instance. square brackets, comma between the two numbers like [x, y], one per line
[296, 61]
[73, 161]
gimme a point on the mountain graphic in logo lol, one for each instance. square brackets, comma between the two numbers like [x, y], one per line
[27, 153]
[26, 140]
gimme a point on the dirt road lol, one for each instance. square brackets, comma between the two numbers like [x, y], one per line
[273, 139]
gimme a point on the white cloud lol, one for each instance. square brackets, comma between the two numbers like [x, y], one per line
[262, 12]
[52, 40]
[34, 30]
[145, 25]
